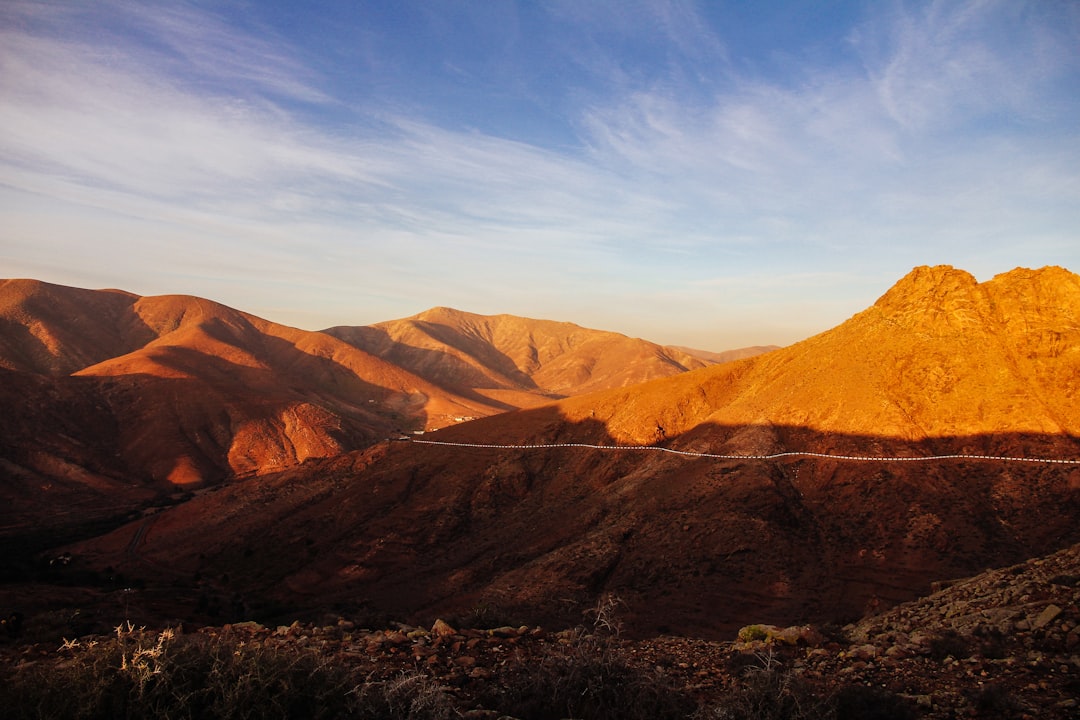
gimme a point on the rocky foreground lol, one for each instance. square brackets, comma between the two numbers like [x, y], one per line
[1005, 643]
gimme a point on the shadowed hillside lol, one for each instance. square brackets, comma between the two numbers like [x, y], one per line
[695, 546]
[939, 365]
[116, 400]
[113, 398]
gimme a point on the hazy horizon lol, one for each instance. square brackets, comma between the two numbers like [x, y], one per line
[698, 174]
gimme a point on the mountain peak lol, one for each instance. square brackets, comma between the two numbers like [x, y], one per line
[439, 313]
[928, 286]
[943, 299]
[1047, 287]
[937, 285]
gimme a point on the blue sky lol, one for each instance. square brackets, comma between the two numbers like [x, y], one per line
[713, 174]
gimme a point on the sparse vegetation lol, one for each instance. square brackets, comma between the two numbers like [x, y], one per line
[605, 615]
[485, 615]
[337, 667]
[768, 691]
[751, 633]
[589, 678]
[143, 674]
[407, 673]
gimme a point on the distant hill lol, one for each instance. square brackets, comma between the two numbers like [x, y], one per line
[727, 355]
[518, 361]
[115, 399]
[941, 364]
[56, 330]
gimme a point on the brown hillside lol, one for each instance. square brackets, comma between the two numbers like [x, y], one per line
[178, 391]
[109, 390]
[940, 364]
[56, 330]
[226, 348]
[518, 361]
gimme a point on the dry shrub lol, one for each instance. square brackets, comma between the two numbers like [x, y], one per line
[141, 674]
[589, 678]
[411, 696]
[768, 691]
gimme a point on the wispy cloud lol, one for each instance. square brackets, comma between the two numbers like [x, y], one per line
[394, 210]
[937, 67]
[184, 145]
[931, 117]
[203, 46]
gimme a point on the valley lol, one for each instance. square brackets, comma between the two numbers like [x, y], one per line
[202, 466]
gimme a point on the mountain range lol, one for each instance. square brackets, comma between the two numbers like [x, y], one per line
[115, 399]
[303, 505]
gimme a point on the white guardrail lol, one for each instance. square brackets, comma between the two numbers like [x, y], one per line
[772, 456]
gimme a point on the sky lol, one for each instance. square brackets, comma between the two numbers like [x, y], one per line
[710, 174]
